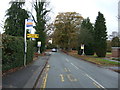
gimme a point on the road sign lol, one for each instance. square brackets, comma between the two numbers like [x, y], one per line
[82, 46]
[29, 23]
[32, 35]
[39, 44]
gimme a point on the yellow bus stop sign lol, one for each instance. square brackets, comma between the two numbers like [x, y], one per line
[32, 35]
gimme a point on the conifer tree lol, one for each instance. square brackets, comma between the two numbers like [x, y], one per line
[15, 22]
[100, 35]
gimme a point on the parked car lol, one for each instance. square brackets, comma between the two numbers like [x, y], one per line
[54, 50]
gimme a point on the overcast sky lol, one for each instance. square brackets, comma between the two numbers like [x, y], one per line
[87, 8]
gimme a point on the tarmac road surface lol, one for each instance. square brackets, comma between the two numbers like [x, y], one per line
[65, 71]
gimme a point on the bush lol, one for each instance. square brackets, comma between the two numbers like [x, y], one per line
[80, 51]
[13, 52]
[115, 42]
[109, 47]
[100, 52]
[30, 51]
[89, 49]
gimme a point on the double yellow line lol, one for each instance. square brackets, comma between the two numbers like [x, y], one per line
[45, 78]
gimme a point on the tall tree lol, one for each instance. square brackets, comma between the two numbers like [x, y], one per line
[100, 35]
[15, 22]
[67, 26]
[86, 37]
[40, 21]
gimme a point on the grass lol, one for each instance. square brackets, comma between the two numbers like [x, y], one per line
[109, 53]
[94, 59]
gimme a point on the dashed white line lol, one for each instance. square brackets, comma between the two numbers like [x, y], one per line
[95, 81]
[74, 66]
[67, 60]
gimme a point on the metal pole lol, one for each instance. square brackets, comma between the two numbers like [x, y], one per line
[25, 44]
[39, 50]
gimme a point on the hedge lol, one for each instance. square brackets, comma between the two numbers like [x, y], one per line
[13, 52]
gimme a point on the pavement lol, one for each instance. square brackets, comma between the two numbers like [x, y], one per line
[113, 67]
[26, 77]
[68, 72]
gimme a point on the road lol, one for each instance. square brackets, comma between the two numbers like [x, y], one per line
[64, 71]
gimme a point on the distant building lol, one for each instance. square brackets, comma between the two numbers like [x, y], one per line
[119, 18]
[114, 34]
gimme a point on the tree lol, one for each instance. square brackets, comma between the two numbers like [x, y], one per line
[86, 37]
[66, 27]
[115, 42]
[15, 22]
[109, 47]
[100, 35]
[40, 21]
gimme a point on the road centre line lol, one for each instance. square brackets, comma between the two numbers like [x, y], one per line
[74, 66]
[67, 60]
[95, 81]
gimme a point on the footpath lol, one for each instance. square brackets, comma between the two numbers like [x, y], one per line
[26, 77]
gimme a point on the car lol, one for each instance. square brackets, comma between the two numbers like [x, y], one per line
[54, 50]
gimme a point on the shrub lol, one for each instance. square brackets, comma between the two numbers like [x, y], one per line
[13, 52]
[80, 51]
[89, 49]
[30, 51]
[115, 42]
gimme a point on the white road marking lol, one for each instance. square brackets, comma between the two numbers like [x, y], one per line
[65, 69]
[67, 60]
[74, 66]
[62, 78]
[71, 78]
[95, 81]
[69, 70]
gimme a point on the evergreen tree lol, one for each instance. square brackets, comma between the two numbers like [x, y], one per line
[100, 35]
[15, 22]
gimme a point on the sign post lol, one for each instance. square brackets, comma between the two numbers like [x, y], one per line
[39, 45]
[28, 23]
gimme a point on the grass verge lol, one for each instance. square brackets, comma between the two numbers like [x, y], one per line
[94, 59]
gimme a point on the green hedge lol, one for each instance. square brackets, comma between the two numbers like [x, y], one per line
[89, 49]
[13, 52]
